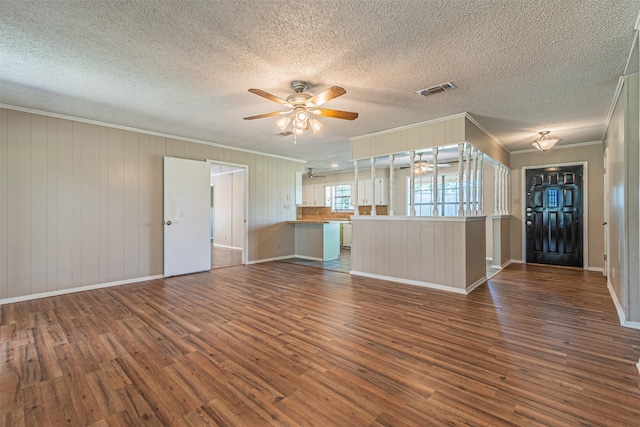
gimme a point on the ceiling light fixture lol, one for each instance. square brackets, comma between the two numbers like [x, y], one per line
[301, 108]
[421, 166]
[546, 142]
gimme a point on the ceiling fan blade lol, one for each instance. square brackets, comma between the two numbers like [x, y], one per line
[326, 95]
[261, 116]
[270, 97]
[335, 114]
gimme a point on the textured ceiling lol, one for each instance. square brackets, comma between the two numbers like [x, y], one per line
[184, 67]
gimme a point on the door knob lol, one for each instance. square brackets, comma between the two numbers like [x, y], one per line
[168, 222]
[604, 223]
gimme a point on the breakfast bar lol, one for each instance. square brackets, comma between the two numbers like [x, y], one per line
[316, 239]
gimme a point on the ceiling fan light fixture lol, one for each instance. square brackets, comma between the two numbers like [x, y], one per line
[283, 122]
[303, 105]
[301, 116]
[315, 125]
[546, 142]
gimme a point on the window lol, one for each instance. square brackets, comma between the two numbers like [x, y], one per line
[341, 198]
[447, 195]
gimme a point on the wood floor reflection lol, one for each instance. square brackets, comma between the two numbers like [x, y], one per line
[280, 344]
[225, 257]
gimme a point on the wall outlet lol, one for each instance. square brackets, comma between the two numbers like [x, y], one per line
[516, 201]
[286, 205]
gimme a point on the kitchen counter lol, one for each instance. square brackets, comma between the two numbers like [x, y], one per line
[317, 240]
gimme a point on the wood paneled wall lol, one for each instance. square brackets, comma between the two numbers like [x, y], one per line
[444, 252]
[81, 204]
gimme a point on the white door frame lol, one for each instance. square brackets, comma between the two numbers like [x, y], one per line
[607, 249]
[245, 191]
[585, 207]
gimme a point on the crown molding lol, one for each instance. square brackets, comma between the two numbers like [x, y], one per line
[558, 147]
[383, 132]
[144, 131]
[486, 132]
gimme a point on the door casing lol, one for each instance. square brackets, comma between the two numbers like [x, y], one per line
[245, 212]
[585, 214]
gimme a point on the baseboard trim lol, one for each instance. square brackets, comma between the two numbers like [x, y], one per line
[619, 310]
[596, 269]
[500, 267]
[278, 258]
[79, 289]
[310, 258]
[419, 283]
[516, 261]
[215, 245]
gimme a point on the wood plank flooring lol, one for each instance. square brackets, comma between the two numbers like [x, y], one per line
[225, 257]
[280, 344]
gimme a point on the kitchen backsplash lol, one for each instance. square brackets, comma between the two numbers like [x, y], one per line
[315, 212]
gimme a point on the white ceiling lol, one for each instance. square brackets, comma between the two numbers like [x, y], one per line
[184, 67]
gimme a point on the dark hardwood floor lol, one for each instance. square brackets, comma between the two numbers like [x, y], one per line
[280, 344]
[225, 257]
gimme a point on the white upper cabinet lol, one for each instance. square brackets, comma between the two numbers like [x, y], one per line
[365, 192]
[315, 195]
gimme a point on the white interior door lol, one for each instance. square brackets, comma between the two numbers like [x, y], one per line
[187, 248]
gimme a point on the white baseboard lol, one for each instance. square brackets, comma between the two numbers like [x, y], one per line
[596, 269]
[419, 283]
[310, 258]
[621, 315]
[79, 289]
[500, 267]
[278, 258]
[516, 261]
[215, 245]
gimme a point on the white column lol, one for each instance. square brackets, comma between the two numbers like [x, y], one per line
[461, 179]
[443, 198]
[354, 193]
[507, 191]
[412, 180]
[481, 185]
[434, 181]
[373, 186]
[474, 182]
[496, 191]
[499, 189]
[468, 174]
[392, 189]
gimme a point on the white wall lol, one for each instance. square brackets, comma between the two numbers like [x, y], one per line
[228, 205]
[623, 164]
[81, 204]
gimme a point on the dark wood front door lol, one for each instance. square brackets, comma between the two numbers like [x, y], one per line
[553, 216]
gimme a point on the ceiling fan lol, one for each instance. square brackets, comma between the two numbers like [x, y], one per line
[311, 174]
[422, 166]
[302, 107]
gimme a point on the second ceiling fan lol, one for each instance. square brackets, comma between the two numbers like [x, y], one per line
[302, 107]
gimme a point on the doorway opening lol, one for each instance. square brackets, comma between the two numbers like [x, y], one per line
[228, 233]
[554, 217]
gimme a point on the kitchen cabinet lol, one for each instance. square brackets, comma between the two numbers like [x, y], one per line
[346, 235]
[314, 195]
[365, 191]
[382, 191]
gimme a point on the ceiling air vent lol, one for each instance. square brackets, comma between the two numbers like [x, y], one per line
[436, 89]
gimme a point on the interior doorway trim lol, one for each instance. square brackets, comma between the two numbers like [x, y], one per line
[585, 207]
[245, 226]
